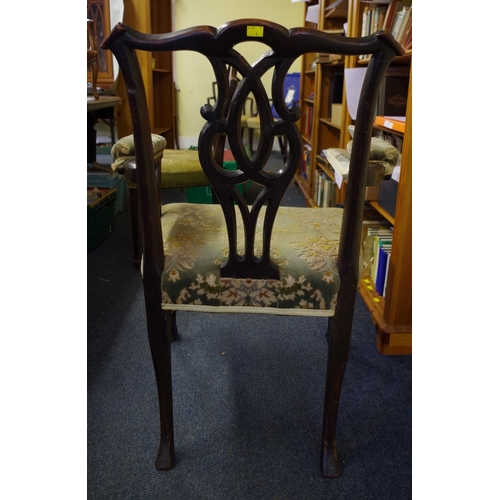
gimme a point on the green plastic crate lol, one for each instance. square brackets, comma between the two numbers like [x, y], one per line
[104, 180]
[204, 194]
[100, 218]
[231, 165]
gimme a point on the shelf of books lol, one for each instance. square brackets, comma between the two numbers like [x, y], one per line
[386, 282]
[322, 109]
[385, 285]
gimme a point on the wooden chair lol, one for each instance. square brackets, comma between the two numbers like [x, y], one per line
[232, 258]
[246, 113]
[253, 122]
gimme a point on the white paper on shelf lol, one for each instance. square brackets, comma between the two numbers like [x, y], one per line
[396, 173]
[312, 14]
[290, 96]
[353, 81]
[338, 179]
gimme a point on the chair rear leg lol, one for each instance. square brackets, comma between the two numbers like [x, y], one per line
[160, 329]
[339, 335]
[283, 147]
[250, 141]
[136, 235]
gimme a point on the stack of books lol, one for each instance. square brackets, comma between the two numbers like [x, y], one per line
[395, 16]
[377, 254]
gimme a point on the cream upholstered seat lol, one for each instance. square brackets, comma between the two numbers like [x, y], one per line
[261, 258]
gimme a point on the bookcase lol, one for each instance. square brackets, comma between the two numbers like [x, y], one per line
[151, 16]
[323, 127]
[321, 82]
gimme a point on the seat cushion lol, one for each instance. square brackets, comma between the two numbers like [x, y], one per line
[304, 246]
[181, 168]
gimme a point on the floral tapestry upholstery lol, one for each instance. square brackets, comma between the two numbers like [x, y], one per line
[304, 245]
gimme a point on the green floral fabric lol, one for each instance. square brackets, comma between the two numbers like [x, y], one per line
[304, 245]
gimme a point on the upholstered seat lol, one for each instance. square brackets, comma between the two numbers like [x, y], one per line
[304, 245]
[180, 168]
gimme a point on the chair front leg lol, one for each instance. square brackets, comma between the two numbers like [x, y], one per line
[160, 328]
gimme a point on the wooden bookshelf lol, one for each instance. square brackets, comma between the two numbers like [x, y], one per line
[317, 129]
[151, 16]
[392, 314]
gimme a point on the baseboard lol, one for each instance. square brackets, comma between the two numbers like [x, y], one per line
[187, 142]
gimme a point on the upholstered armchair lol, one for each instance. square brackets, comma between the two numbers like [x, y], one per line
[175, 168]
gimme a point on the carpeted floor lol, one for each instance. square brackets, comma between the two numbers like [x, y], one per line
[248, 393]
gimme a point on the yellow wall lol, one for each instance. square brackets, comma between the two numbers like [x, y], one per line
[194, 74]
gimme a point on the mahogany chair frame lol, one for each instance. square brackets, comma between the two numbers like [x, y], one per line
[223, 121]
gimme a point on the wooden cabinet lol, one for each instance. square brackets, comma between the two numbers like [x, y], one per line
[98, 11]
[151, 16]
[392, 313]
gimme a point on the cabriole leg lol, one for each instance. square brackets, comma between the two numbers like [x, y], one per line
[339, 335]
[160, 328]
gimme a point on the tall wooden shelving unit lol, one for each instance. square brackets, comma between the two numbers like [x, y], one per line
[151, 16]
[318, 131]
[392, 314]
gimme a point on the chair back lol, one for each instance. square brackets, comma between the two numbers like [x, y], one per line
[223, 122]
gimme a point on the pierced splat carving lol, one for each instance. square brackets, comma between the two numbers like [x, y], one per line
[225, 119]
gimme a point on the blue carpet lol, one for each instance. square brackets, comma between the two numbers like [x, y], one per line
[248, 392]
